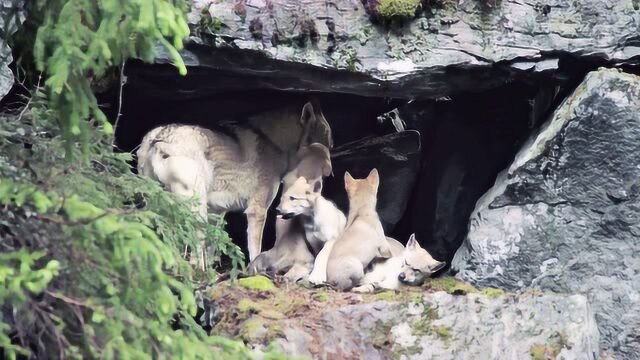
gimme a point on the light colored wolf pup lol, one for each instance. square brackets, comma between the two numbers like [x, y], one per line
[412, 267]
[323, 222]
[290, 254]
[239, 170]
[363, 239]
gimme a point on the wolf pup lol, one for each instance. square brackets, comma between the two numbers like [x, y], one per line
[323, 222]
[241, 171]
[412, 267]
[290, 253]
[363, 239]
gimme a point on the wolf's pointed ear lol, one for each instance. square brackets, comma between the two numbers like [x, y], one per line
[348, 179]
[308, 115]
[317, 186]
[384, 252]
[412, 243]
[373, 178]
[327, 169]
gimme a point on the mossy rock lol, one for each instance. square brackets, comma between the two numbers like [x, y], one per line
[246, 306]
[397, 9]
[492, 292]
[254, 329]
[321, 296]
[386, 295]
[451, 285]
[259, 282]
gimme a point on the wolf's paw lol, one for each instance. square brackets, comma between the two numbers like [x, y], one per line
[367, 288]
[317, 278]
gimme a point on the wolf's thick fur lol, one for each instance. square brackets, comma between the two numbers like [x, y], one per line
[289, 255]
[322, 222]
[290, 249]
[241, 171]
[411, 267]
[363, 239]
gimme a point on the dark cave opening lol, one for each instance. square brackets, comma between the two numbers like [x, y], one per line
[429, 184]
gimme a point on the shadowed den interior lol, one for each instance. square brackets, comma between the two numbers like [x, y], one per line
[430, 182]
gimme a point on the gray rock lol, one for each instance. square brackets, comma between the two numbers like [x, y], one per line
[11, 15]
[444, 326]
[299, 45]
[565, 216]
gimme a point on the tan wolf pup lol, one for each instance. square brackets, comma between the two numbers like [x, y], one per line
[412, 267]
[363, 239]
[240, 171]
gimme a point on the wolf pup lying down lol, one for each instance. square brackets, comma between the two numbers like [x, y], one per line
[363, 239]
[234, 172]
[411, 267]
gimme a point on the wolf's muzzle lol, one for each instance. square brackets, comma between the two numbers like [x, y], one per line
[285, 216]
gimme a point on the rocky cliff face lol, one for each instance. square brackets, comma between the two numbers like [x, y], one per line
[11, 15]
[564, 217]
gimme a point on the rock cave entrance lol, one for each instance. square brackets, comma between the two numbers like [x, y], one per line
[431, 182]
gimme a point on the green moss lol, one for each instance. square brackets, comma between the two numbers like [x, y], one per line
[442, 332]
[393, 9]
[451, 285]
[538, 352]
[492, 292]
[321, 296]
[381, 333]
[246, 305]
[555, 343]
[385, 295]
[272, 314]
[259, 282]
[274, 331]
[253, 329]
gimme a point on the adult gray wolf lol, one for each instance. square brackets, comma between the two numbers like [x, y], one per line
[238, 170]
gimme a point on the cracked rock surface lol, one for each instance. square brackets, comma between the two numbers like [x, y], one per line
[462, 45]
[11, 15]
[565, 217]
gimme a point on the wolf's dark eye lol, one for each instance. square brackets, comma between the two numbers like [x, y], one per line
[291, 198]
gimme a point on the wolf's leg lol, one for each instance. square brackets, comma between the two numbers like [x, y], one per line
[296, 272]
[366, 288]
[256, 217]
[319, 274]
[189, 186]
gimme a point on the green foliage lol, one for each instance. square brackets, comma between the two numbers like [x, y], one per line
[78, 41]
[91, 262]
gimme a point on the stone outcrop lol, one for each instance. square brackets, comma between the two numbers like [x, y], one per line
[414, 323]
[564, 217]
[456, 46]
[11, 15]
